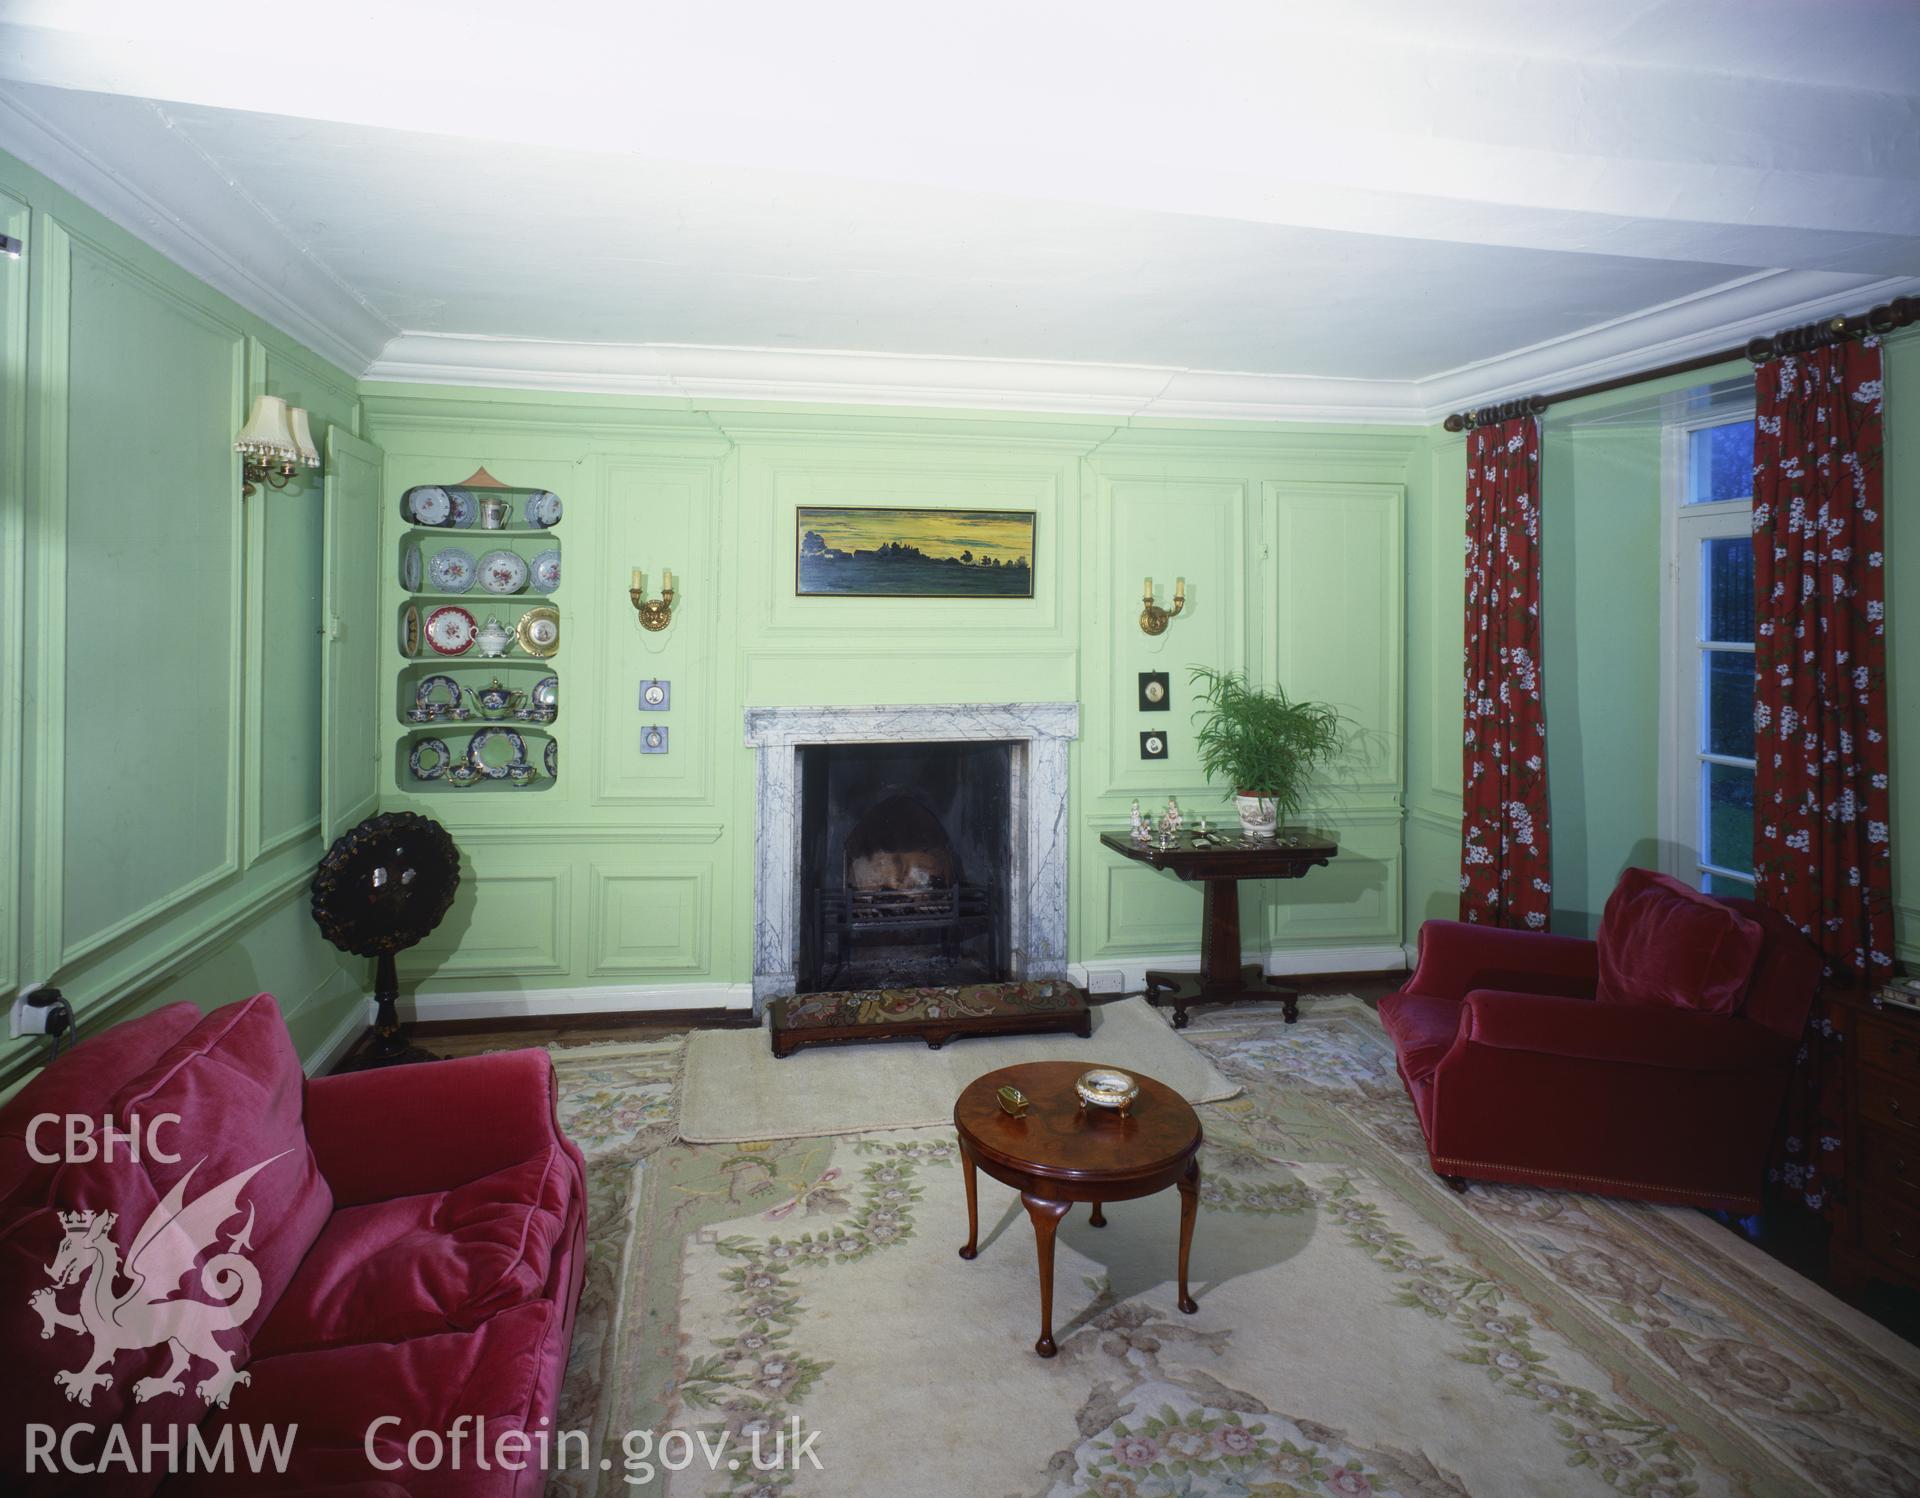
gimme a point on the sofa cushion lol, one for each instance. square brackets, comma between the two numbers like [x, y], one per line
[1664, 943]
[237, 1088]
[415, 1265]
[500, 1373]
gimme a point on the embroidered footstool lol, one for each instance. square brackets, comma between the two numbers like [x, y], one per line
[1040, 1006]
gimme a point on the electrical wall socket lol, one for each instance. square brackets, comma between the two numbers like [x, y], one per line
[1105, 980]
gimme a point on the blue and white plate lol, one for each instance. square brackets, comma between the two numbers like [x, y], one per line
[429, 759]
[546, 692]
[427, 505]
[451, 571]
[410, 566]
[464, 508]
[546, 570]
[428, 693]
[553, 759]
[477, 746]
[542, 509]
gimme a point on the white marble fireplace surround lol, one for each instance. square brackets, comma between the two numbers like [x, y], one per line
[1038, 733]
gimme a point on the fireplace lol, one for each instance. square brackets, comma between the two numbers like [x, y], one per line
[904, 860]
[1034, 738]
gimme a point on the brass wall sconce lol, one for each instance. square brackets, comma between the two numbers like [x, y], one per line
[655, 613]
[274, 445]
[1153, 618]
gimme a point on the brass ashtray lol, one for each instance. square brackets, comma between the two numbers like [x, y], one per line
[1104, 1087]
[1013, 1100]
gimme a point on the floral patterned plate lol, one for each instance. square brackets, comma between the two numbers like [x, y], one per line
[503, 572]
[542, 509]
[410, 566]
[410, 631]
[427, 505]
[478, 745]
[451, 571]
[539, 631]
[553, 758]
[546, 570]
[429, 759]
[425, 695]
[546, 692]
[464, 508]
[450, 630]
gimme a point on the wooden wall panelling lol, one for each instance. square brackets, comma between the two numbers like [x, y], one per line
[15, 220]
[512, 918]
[649, 920]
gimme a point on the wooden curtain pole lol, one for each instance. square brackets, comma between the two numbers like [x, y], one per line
[1898, 313]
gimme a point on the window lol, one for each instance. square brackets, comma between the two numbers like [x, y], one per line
[1708, 780]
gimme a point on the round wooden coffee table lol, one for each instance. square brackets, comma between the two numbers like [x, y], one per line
[1060, 1153]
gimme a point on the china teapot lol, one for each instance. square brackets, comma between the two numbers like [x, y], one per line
[493, 700]
[493, 638]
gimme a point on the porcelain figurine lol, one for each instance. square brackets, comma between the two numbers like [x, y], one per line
[493, 700]
[1174, 818]
[494, 638]
[1141, 833]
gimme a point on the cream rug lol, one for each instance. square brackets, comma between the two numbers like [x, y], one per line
[1362, 1330]
[736, 1089]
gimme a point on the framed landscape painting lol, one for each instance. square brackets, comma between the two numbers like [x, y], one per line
[903, 553]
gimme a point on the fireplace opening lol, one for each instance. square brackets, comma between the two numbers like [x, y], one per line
[903, 865]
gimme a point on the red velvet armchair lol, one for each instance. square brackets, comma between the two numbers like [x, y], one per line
[1650, 1063]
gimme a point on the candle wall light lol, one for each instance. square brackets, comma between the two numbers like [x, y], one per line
[655, 613]
[1153, 618]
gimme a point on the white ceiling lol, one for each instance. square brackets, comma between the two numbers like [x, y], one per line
[1367, 211]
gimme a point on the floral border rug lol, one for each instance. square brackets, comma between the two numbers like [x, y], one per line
[1362, 1329]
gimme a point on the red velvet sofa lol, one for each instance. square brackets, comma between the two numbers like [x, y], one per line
[1650, 1063]
[416, 1239]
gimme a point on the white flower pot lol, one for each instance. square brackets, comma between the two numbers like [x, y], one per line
[1259, 815]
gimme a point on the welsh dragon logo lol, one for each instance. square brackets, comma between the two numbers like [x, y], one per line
[145, 1314]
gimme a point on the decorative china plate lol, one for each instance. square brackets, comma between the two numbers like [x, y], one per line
[427, 505]
[410, 567]
[553, 759]
[477, 751]
[503, 572]
[542, 509]
[451, 571]
[429, 759]
[463, 507]
[546, 692]
[424, 694]
[546, 570]
[410, 631]
[450, 629]
[539, 631]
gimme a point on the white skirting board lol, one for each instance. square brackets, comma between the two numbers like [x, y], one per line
[651, 998]
[339, 1041]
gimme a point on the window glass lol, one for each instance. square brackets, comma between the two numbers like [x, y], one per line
[1728, 589]
[1720, 462]
[1729, 806]
[1729, 726]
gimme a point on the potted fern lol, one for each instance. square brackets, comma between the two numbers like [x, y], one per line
[1262, 744]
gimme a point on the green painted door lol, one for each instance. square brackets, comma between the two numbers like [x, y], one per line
[350, 631]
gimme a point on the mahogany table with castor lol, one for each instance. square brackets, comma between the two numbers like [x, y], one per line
[1220, 866]
[1060, 1153]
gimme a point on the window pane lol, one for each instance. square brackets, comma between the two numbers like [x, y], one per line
[1726, 884]
[1729, 728]
[1730, 817]
[1727, 578]
[1721, 462]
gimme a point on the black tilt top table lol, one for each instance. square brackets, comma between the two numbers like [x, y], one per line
[1220, 862]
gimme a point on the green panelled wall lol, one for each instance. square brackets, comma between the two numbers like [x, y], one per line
[630, 880]
[159, 710]
[1602, 646]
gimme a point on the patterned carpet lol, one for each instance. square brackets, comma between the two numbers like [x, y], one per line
[1362, 1329]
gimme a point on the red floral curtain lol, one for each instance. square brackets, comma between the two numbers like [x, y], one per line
[1820, 851]
[1506, 874]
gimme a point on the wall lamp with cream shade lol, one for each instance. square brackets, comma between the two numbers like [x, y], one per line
[275, 444]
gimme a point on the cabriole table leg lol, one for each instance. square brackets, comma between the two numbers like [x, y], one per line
[1046, 1217]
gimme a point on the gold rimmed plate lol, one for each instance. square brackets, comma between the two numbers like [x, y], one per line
[538, 631]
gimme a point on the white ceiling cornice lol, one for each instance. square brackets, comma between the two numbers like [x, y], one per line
[206, 227]
[1722, 317]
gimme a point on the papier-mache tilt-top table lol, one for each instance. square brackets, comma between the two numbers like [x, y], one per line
[1219, 861]
[1058, 1153]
